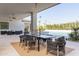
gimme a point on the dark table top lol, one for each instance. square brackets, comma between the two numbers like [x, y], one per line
[53, 37]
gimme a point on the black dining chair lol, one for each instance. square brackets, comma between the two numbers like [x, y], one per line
[22, 38]
[30, 42]
[57, 47]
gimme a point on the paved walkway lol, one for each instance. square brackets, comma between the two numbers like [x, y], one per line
[5, 47]
[7, 50]
[75, 46]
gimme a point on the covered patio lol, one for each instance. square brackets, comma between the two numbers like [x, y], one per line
[14, 14]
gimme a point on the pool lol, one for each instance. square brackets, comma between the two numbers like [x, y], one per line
[64, 33]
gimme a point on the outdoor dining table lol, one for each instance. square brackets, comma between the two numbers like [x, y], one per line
[39, 37]
[43, 37]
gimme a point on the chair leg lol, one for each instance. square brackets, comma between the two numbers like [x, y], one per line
[58, 53]
[46, 48]
[20, 42]
[46, 51]
[27, 46]
[35, 45]
[64, 51]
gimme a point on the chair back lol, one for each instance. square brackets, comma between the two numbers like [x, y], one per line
[29, 37]
[61, 41]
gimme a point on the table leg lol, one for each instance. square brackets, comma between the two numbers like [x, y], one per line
[38, 45]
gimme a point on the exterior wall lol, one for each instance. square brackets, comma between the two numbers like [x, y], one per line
[14, 25]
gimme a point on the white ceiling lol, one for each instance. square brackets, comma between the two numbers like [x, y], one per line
[20, 10]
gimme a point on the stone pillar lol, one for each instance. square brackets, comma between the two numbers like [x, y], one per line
[33, 25]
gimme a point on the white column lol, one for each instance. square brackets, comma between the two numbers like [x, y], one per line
[33, 25]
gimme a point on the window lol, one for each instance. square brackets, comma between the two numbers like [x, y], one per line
[4, 25]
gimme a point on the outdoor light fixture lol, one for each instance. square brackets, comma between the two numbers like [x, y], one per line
[13, 17]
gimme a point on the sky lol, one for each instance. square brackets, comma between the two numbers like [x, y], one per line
[62, 13]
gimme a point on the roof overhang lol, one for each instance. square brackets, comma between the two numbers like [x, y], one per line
[21, 10]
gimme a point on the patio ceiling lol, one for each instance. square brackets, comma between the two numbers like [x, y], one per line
[21, 10]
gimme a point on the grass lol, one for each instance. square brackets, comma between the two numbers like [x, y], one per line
[72, 39]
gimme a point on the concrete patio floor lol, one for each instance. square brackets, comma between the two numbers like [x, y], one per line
[7, 50]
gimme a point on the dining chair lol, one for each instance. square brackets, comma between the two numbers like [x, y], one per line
[22, 38]
[30, 42]
[56, 47]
